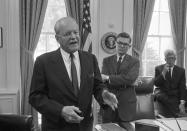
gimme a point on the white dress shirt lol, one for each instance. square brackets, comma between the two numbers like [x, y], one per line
[121, 58]
[67, 61]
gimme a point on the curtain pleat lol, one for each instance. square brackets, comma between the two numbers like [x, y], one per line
[32, 14]
[143, 10]
[178, 25]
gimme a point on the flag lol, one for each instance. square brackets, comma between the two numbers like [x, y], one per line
[86, 27]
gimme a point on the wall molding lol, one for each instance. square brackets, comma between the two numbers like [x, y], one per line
[9, 101]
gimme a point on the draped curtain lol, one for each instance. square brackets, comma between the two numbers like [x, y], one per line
[178, 23]
[32, 14]
[142, 14]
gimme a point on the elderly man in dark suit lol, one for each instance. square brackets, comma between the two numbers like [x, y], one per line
[120, 71]
[64, 81]
[170, 82]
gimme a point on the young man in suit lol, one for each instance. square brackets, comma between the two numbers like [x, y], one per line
[170, 82]
[120, 71]
[64, 81]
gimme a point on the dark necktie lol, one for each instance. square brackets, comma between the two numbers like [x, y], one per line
[74, 75]
[169, 74]
[118, 64]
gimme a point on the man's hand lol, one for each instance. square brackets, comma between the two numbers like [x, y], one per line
[71, 114]
[105, 78]
[165, 69]
[110, 99]
[182, 108]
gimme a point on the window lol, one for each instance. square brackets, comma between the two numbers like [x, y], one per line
[47, 42]
[159, 38]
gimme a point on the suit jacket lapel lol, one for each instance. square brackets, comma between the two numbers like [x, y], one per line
[125, 61]
[83, 69]
[62, 72]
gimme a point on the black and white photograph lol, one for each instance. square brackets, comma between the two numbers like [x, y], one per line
[93, 65]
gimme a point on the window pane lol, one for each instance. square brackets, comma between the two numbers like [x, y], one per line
[41, 47]
[165, 27]
[47, 42]
[150, 66]
[52, 44]
[156, 6]
[152, 48]
[56, 3]
[159, 39]
[53, 13]
[164, 5]
[153, 30]
[166, 43]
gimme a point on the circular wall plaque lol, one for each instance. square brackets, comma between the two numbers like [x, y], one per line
[108, 42]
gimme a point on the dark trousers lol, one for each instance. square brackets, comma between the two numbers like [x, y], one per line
[167, 106]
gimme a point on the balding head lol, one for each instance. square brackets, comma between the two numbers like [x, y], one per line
[170, 57]
[63, 22]
[67, 34]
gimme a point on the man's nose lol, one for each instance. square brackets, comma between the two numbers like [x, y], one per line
[73, 35]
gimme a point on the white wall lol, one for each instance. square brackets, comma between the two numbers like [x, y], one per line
[9, 56]
[110, 16]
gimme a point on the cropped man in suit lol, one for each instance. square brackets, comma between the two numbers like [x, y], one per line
[170, 82]
[64, 81]
[120, 71]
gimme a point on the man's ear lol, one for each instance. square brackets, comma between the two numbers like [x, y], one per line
[57, 38]
[165, 59]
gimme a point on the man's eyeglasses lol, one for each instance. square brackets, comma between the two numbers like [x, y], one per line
[123, 44]
[69, 34]
[170, 58]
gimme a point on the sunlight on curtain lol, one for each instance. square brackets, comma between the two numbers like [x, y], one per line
[159, 38]
[47, 42]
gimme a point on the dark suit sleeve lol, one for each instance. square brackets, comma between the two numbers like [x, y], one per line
[98, 84]
[127, 78]
[104, 70]
[159, 78]
[38, 96]
[182, 86]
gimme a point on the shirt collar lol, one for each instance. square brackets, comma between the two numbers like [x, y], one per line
[66, 56]
[172, 67]
[121, 56]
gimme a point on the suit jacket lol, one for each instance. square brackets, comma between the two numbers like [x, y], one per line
[121, 84]
[51, 89]
[178, 82]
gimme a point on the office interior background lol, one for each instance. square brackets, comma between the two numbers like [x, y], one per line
[107, 16]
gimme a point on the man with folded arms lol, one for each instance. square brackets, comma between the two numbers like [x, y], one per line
[120, 71]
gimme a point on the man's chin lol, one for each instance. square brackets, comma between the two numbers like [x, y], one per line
[73, 49]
